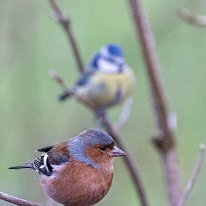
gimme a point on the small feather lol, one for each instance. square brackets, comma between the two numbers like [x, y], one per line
[45, 149]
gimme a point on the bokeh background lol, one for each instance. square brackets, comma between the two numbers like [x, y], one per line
[31, 43]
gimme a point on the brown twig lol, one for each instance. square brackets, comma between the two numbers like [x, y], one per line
[198, 20]
[165, 140]
[66, 24]
[106, 123]
[55, 76]
[129, 161]
[16, 200]
[193, 178]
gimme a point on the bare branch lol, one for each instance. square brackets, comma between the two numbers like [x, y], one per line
[198, 20]
[193, 178]
[16, 200]
[66, 24]
[103, 117]
[125, 113]
[165, 140]
[56, 77]
[129, 161]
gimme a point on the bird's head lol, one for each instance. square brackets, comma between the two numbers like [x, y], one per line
[95, 147]
[109, 59]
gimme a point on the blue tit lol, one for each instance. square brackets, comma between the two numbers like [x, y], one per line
[107, 81]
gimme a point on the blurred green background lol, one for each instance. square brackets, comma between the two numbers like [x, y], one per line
[31, 117]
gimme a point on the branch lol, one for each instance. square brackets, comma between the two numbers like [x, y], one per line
[66, 25]
[165, 140]
[103, 118]
[193, 178]
[55, 76]
[129, 161]
[198, 20]
[16, 200]
[125, 113]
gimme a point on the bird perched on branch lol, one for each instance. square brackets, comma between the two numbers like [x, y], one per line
[78, 171]
[107, 80]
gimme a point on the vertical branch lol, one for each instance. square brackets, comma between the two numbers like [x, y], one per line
[129, 161]
[115, 133]
[165, 140]
[66, 25]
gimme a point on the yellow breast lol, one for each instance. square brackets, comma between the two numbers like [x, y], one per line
[104, 88]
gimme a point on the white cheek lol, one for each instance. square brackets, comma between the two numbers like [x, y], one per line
[107, 67]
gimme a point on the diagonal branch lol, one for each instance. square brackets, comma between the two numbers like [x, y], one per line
[109, 127]
[198, 20]
[66, 25]
[16, 200]
[165, 140]
[115, 133]
[195, 173]
[129, 161]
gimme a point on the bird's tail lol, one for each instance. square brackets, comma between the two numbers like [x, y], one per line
[66, 94]
[25, 166]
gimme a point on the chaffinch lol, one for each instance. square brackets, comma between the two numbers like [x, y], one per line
[107, 81]
[77, 172]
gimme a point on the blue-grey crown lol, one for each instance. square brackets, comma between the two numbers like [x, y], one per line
[95, 136]
[87, 138]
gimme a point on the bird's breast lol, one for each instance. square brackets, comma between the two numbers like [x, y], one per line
[78, 184]
[108, 89]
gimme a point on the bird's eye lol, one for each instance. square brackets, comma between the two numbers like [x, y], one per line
[103, 148]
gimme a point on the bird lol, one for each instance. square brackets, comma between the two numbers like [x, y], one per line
[107, 79]
[78, 171]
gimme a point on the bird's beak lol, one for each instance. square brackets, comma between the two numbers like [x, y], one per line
[116, 152]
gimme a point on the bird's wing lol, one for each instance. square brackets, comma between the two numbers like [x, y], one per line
[58, 154]
[42, 165]
[84, 78]
[45, 149]
[53, 155]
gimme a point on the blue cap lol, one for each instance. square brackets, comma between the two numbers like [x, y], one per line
[115, 50]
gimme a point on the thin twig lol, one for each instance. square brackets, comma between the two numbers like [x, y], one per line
[129, 161]
[198, 20]
[56, 77]
[165, 140]
[193, 178]
[105, 122]
[16, 200]
[125, 113]
[66, 24]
